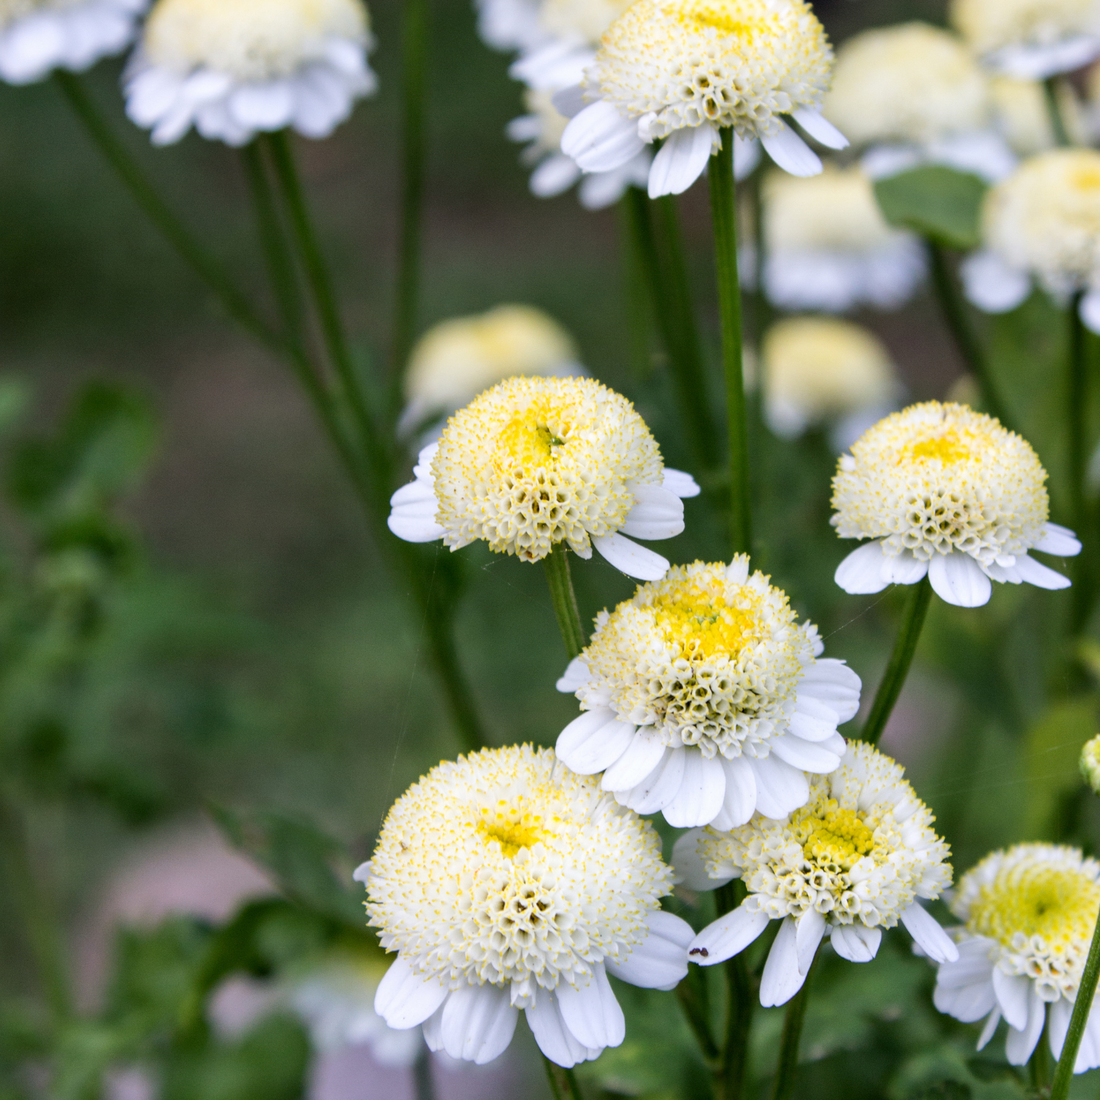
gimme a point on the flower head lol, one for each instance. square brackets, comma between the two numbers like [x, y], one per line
[235, 69]
[704, 698]
[1028, 915]
[852, 862]
[948, 493]
[505, 882]
[535, 463]
[1090, 764]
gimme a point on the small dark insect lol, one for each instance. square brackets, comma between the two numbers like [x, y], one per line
[699, 951]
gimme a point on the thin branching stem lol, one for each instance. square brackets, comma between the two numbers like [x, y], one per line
[1054, 111]
[1086, 991]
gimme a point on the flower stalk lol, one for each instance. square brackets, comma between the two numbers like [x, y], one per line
[1063, 1073]
[740, 1005]
[560, 580]
[563, 1082]
[1076, 414]
[795, 1017]
[1054, 112]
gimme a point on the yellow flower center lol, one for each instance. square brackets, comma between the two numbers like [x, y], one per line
[949, 448]
[1087, 178]
[528, 442]
[722, 17]
[703, 624]
[511, 828]
[831, 835]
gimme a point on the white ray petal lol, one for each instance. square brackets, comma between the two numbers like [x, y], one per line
[681, 160]
[404, 998]
[594, 741]
[554, 1039]
[780, 789]
[600, 139]
[861, 573]
[958, 579]
[820, 128]
[928, 934]
[642, 755]
[658, 513]
[630, 558]
[660, 961]
[478, 1023]
[729, 935]
[591, 1011]
[856, 942]
[791, 153]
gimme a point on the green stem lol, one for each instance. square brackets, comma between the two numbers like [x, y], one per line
[740, 1005]
[958, 324]
[560, 580]
[1076, 415]
[787, 1066]
[893, 679]
[638, 295]
[695, 1013]
[423, 1084]
[1054, 112]
[1086, 991]
[724, 218]
[563, 1082]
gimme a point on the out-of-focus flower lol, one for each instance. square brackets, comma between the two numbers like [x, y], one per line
[1042, 224]
[913, 94]
[1090, 764]
[829, 247]
[234, 70]
[508, 25]
[948, 493]
[704, 698]
[1028, 914]
[852, 862]
[38, 36]
[681, 71]
[505, 882]
[536, 463]
[1030, 39]
[455, 360]
[819, 370]
[1022, 116]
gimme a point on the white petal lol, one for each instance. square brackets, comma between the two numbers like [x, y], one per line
[658, 788]
[967, 1003]
[680, 483]
[641, 757]
[1089, 311]
[903, 568]
[791, 153]
[809, 930]
[782, 977]
[701, 792]
[688, 864]
[556, 174]
[660, 961]
[630, 558]
[861, 573]
[575, 676]
[958, 579]
[405, 998]
[991, 285]
[422, 471]
[591, 1012]
[414, 528]
[569, 102]
[478, 1023]
[1012, 992]
[830, 681]
[739, 803]
[990, 1026]
[746, 156]
[266, 106]
[1058, 1027]
[804, 755]
[856, 942]
[729, 935]
[1058, 540]
[820, 128]
[780, 789]
[433, 1029]
[1088, 1053]
[593, 741]
[600, 139]
[681, 160]
[1033, 572]
[415, 492]
[929, 936]
[658, 513]
[1021, 1043]
[362, 873]
[554, 1039]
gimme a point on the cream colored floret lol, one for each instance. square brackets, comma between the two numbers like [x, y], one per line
[584, 19]
[552, 122]
[506, 866]
[940, 477]
[11, 10]
[249, 39]
[709, 656]
[1090, 764]
[739, 63]
[989, 25]
[1038, 902]
[911, 83]
[534, 462]
[862, 849]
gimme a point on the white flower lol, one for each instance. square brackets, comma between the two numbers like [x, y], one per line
[819, 370]
[1021, 114]
[1090, 764]
[232, 70]
[1028, 916]
[829, 247]
[507, 25]
[456, 359]
[38, 36]
[1031, 39]
[852, 862]
[706, 700]
[504, 881]
[682, 70]
[536, 463]
[911, 95]
[948, 493]
[1041, 223]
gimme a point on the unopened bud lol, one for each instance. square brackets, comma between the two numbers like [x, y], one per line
[1090, 764]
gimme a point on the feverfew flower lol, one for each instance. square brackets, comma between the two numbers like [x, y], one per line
[233, 70]
[912, 94]
[948, 493]
[1090, 764]
[1022, 116]
[819, 370]
[536, 463]
[38, 36]
[852, 862]
[505, 882]
[705, 699]
[1042, 224]
[1031, 39]
[1028, 914]
[829, 247]
[681, 71]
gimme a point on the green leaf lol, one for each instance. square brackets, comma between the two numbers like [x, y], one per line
[935, 202]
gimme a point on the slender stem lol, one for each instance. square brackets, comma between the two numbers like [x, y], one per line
[1086, 991]
[1054, 112]
[893, 679]
[787, 1066]
[413, 92]
[958, 324]
[724, 218]
[560, 580]
[638, 294]
[423, 1084]
[563, 1082]
[1076, 416]
[694, 1008]
[145, 195]
[740, 1006]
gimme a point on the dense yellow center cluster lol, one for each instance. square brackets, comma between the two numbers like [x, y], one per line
[936, 478]
[739, 63]
[538, 461]
[583, 19]
[990, 25]
[505, 866]
[709, 656]
[862, 849]
[249, 39]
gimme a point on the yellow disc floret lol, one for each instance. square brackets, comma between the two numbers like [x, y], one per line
[991, 25]
[862, 849]
[505, 866]
[936, 478]
[709, 656]
[249, 39]
[739, 63]
[1038, 903]
[534, 462]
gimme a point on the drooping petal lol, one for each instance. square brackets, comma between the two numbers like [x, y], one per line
[433, 1029]
[746, 156]
[575, 676]
[809, 930]
[682, 484]
[1058, 1026]
[1058, 540]
[630, 558]
[991, 285]
[1089, 311]
[903, 568]
[600, 139]
[820, 128]
[658, 513]
[791, 153]
[681, 160]
[702, 789]
[782, 978]
[1033, 572]
[832, 682]
[405, 998]
[958, 579]
[856, 942]
[362, 873]
[478, 1023]
[780, 789]
[861, 573]
[812, 720]
[591, 1012]
[928, 934]
[660, 961]
[1021, 1043]
[642, 755]
[658, 788]
[554, 1039]
[804, 755]
[729, 935]
[569, 102]
[739, 803]
[554, 176]
[1012, 995]
[593, 741]
[688, 865]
